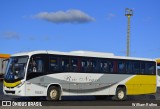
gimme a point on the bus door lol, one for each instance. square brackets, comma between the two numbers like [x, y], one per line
[35, 76]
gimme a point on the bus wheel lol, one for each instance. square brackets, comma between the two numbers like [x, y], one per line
[120, 94]
[53, 93]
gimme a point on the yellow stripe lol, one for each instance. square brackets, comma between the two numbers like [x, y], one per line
[11, 84]
[141, 84]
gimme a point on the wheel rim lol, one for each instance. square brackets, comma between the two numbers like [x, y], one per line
[120, 94]
[53, 94]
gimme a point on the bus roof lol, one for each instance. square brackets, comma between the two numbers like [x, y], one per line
[4, 55]
[82, 53]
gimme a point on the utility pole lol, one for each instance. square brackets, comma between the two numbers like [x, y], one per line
[128, 13]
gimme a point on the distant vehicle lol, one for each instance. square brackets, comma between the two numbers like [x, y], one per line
[55, 74]
[158, 75]
[3, 63]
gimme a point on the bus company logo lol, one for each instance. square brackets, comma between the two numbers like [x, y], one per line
[6, 103]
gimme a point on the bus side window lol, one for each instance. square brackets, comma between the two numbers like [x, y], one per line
[84, 65]
[74, 65]
[136, 67]
[111, 66]
[40, 66]
[36, 64]
[53, 64]
[150, 69]
[104, 66]
[94, 66]
[32, 65]
[65, 64]
[142, 68]
[121, 67]
[129, 67]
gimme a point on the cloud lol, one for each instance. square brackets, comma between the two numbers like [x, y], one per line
[34, 38]
[69, 16]
[46, 38]
[31, 38]
[147, 19]
[110, 16]
[11, 35]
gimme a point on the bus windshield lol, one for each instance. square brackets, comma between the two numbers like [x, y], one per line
[16, 68]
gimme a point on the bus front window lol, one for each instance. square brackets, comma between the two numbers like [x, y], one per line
[158, 70]
[16, 68]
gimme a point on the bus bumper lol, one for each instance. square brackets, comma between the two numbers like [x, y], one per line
[16, 91]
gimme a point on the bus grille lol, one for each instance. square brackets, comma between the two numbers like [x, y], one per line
[7, 91]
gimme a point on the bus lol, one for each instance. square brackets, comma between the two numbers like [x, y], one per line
[3, 64]
[54, 74]
[158, 75]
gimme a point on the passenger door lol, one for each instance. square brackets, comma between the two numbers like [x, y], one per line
[35, 75]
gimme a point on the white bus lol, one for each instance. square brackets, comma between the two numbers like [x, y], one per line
[78, 73]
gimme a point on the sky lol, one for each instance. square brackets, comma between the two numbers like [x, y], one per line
[89, 25]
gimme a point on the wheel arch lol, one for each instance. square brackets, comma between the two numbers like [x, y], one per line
[57, 85]
[122, 86]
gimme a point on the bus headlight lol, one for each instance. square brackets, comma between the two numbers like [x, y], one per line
[20, 84]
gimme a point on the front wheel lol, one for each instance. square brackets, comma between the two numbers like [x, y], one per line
[53, 93]
[120, 94]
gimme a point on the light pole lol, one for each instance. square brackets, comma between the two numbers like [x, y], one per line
[128, 13]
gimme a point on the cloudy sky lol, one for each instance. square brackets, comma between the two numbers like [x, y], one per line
[68, 25]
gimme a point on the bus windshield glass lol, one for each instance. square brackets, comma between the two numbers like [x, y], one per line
[16, 68]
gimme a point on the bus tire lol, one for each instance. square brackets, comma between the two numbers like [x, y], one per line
[120, 94]
[53, 93]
